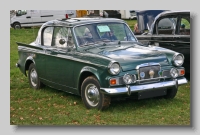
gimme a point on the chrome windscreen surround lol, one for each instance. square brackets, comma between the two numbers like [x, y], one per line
[148, 72]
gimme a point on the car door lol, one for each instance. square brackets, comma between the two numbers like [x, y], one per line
[34, 17]
[59, 60]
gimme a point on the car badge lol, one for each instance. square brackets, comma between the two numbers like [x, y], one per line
[151, 73]
[142, 75]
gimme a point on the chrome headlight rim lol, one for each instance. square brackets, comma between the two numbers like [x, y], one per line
[175, 55]
[176, 71]
[110, 66]
[130, 78]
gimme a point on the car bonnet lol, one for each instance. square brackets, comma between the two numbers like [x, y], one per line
[131, 56]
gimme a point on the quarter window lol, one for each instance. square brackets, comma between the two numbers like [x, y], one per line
[47, 36]
[185, 26]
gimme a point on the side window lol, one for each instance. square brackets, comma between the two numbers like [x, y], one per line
[62, 33]
[167, 26]
[185, 26]
[47, 36]
[21, 12]
[24, 12]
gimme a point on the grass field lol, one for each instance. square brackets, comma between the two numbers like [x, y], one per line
[52, 107]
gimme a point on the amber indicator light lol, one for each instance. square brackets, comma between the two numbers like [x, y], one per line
[182, 72]
[113, 81]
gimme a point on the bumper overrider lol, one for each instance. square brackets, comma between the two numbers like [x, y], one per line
[144, 87]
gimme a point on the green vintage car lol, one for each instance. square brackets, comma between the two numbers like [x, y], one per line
[99, 59]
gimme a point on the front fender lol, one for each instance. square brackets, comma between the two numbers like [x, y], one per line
[91, 70]
[88, 71]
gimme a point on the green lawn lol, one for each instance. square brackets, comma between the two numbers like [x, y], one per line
[52, 107]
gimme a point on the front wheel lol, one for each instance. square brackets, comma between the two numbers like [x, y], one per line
[33, 77]
[91, 96]
[171, 93]
[17, 26]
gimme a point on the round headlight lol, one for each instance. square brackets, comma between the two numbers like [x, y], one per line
[174, 72]
[127, 78]
[114, 68]
[178, 59]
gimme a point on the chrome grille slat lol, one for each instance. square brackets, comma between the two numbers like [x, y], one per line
[166, 73]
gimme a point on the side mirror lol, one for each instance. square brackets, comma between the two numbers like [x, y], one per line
[62, 41]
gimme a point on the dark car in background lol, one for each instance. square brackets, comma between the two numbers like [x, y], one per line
[145, 18]
[169, 29]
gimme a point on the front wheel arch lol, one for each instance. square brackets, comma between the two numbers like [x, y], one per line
[82, 77]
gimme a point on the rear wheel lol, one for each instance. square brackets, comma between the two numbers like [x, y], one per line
[91, 96]
[33, 77]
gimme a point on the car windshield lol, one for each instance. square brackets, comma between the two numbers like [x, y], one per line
[96, 33]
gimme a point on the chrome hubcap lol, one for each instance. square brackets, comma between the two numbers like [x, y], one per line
[92, 95]
[33, 77]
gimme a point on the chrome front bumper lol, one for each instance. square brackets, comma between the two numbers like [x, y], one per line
[143, 87]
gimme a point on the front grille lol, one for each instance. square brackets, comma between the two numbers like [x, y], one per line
[159, 75]
[146, 70]
[166, 73]
[121, 81]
